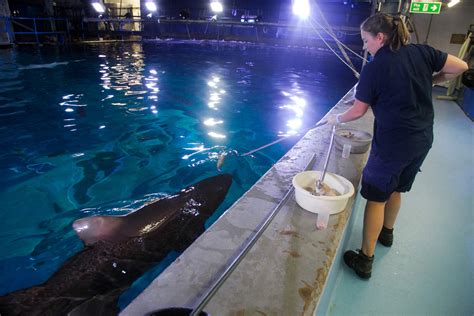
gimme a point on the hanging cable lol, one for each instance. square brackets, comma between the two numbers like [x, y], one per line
[335, 38]
[348, 61]
[335, 53]
[350, 34]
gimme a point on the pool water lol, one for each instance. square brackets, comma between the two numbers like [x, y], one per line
[102, 129]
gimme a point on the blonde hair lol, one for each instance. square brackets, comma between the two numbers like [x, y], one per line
[395, 31]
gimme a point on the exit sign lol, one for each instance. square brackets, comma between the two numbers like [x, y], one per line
[425, 7]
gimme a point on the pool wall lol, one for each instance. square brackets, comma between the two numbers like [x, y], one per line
[285, 34]
[286, 271]
[260, 32]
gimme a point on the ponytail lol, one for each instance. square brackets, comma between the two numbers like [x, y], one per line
[400, 34]
[395, 31]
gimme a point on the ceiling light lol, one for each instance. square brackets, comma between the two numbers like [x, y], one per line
[151, 6]
[98, 7]
[301, 8]
[453, 3]
[216, 6]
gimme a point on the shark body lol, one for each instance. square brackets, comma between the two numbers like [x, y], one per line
[90, 282]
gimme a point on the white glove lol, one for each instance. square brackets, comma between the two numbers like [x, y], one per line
[334, 119]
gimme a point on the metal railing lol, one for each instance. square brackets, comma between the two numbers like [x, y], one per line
[36, 27]
[111, 25]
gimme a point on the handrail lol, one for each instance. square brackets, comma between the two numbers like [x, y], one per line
[217, 22]
[238, 22]
[33, 30]
[27, 18]
[113, 19]
[22, 25]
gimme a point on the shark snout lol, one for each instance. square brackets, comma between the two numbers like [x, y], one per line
[80, 225]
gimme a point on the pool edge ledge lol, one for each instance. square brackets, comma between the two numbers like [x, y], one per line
[286, 271]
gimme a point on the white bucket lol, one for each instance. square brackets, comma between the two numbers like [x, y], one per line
[322, 204]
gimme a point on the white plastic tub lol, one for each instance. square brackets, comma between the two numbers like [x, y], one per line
[322, 204]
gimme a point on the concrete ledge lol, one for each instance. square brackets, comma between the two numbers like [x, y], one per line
[286, 270]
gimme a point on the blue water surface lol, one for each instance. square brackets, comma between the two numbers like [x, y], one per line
[102, 129]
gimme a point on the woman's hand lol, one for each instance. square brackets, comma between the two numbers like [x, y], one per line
[357, 110]
[334, 119]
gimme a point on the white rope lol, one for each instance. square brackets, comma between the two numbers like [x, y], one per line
[320, 123]
[357, 74]
[335, 38]
[267, 145]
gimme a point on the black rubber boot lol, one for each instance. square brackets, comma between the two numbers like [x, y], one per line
[386, 237]
[359, 262]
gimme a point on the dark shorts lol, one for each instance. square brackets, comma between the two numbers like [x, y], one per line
[381, 178]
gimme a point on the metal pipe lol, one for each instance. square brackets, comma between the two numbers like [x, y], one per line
[414, 30]
[429, 29]
[67, 30]
[36, 31]
[187, 30]
[320, 182]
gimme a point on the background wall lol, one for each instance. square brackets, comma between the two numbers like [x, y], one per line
[455, 20]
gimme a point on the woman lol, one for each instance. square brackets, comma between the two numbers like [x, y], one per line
[397, 86]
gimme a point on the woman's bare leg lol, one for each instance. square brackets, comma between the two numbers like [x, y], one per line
[373, 221]
[391, 210]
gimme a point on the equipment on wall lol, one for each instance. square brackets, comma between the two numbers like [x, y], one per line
[454, 85]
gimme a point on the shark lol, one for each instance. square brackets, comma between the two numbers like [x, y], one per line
[118, 250]
[50, 65]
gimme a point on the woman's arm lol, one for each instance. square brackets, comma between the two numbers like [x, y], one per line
[357, 110]
[452, 68]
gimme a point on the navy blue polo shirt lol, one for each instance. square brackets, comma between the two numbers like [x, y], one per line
[397, 85]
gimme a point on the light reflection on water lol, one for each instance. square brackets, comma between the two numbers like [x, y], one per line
[125, 121]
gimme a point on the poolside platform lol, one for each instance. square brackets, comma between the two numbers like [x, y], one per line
[295, 269]
[285, 271]
[429, 269]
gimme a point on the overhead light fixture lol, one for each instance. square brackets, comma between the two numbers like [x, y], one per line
[216, 7]
[151, 6]
[301, 8]
[453, 3]
[98, 7]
